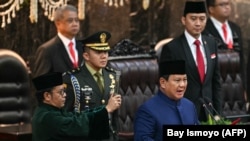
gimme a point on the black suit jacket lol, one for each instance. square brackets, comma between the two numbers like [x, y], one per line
[211, 30]
[178, 49]
[53, 57]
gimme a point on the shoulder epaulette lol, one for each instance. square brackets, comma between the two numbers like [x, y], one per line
[110, 69]
[72, 71]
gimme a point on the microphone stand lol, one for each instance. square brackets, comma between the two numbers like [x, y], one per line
[209, 112]
[216, 112]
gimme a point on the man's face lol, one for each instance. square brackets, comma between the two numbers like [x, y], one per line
[194, 23]
[175, 86]
[221, 9]
[56, 97]
[69, 26]
[96, 59]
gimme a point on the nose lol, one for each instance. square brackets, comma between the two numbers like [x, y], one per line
[198, 22]
[183, 83]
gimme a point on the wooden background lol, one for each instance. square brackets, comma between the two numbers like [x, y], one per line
[144, 27]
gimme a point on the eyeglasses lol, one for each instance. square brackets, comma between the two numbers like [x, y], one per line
[61, 92]
[223, 4]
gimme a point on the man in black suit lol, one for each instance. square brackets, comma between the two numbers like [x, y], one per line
[201, 60]
[55, 55]
[229, 38]
[219, 12]
[85, 89]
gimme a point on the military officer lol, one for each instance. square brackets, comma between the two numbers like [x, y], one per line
[90, 85]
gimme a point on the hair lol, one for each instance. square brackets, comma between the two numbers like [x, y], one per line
[166, 76]
[210, 3]
[58, 15]
[40, 95]
[86, 49]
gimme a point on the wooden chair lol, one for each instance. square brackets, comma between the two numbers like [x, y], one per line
[15, 111]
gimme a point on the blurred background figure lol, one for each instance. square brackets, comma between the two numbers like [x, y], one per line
[226, 32]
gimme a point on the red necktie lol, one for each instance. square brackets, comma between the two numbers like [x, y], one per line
[225, 34]
[72, 53]
[200, 61]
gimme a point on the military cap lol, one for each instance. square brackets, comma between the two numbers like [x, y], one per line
[98, 41]
[172, 67]
[195, 7]
[48, 80]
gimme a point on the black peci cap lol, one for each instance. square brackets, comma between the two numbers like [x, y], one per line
[195, 7]
[172, 67]
[98, 41]
[48, 80]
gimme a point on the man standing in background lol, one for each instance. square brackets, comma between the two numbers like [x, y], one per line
[200, 54]
[63, 52]
[227, 33]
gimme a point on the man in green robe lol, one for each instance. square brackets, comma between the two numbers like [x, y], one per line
[51, 122]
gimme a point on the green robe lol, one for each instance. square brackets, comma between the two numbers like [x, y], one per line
[52, 124]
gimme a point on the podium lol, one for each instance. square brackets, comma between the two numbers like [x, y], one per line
[17, 132]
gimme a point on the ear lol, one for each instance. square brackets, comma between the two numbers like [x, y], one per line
[85, 56]
[183, 20]
[211, 10]
[162, 82]
[57, 23]
[47, 96]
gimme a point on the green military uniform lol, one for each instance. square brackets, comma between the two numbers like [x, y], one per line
[84, 79]
[78, 80]
[50, 123]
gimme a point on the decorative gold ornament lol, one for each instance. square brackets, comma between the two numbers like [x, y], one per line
[50, 6]
[112, 85]
[33, 11]
[81, 9]
[145, 4]
[114, 3]
[10, 7]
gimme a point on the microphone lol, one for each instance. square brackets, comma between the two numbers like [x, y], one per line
[216, 112]
[205, 107]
